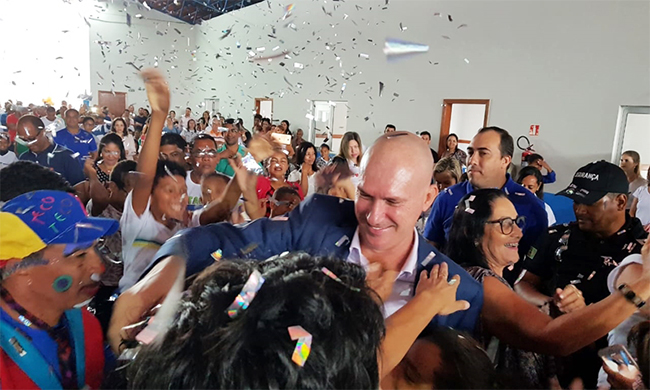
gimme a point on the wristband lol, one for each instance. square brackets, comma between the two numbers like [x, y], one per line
[631, 296]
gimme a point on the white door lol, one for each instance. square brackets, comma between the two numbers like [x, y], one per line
[633, 133]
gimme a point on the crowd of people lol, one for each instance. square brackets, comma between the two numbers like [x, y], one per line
[154, 251]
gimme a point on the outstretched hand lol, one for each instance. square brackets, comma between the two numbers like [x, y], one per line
[441, 290]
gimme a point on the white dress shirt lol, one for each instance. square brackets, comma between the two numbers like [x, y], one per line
[405, 282]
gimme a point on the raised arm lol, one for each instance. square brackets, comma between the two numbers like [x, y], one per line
[435, 296]
[522, 325]
[158, 95]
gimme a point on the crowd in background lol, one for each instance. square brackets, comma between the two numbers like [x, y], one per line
[280, 264]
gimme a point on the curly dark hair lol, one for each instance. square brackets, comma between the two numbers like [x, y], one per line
[26, 176]
[205, 348]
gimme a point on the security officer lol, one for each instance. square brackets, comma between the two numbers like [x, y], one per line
[568, 269]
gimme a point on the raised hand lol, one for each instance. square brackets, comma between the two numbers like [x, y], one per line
[157, 90]
[89, 167]
[441, 290]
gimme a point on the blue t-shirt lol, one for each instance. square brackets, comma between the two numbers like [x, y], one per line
[60, 160]
[82, 143]
[549, 178]
[525, 202]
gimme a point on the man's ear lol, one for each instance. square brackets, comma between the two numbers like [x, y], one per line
[621, 201]
[432, 193]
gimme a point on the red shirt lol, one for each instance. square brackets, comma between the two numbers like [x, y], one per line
[266, 191]
[12, 119]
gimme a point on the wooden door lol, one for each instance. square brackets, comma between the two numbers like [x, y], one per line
[115, 101]
[447, 107]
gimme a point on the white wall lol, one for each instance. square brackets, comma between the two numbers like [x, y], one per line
[43, 42]
[566, 66]
[141, 44]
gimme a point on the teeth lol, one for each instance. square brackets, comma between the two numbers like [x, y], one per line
[512, 245]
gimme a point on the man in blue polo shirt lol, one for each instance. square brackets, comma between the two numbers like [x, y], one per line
[31, 132]
[489, 155]
[74, 138]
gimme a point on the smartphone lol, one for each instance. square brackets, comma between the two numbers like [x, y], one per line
[619, 359]
[284, 139]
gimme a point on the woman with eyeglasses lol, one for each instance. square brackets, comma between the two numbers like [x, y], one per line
[484, 239]
[111, 151]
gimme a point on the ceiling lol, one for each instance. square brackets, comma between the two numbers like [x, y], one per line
[196, 11]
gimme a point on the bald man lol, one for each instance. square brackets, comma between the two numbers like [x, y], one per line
[377, 229]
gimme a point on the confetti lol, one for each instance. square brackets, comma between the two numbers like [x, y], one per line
[428, 259]
[287, 11]
[342, 241]
[217, 255]
[462, 25]
[363, 55]
[453, 281]
[402, 27]
[226, 33]
[128, 20]
[469, 210]
[445, 37]
[333, 276]
[146, 5]
[303, 346]
[381, 88]
[75, 155]
[298, 65]
[466, 61]
[450, 19]
[169, 172]
[247, 294]
[343, 88]
[393, 47]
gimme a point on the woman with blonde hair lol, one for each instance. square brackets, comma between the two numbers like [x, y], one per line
[631, 164]
[351, 151]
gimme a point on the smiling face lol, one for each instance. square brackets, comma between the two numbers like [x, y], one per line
[169, 198]
[72, 120]
[501, 250]
[110, 154]
[391, 194]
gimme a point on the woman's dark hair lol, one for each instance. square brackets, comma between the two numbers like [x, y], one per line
[468, 227]
[248, 137]
[206, 349]
[287, 122]
[120, 171]
[463, 363]
[531, 158]
[22, 177]
[532, 171]
[447, 140]
[191, 121]
[168, 167]
[302, 152]
[173, 139]
[112, 138]
[119, 119]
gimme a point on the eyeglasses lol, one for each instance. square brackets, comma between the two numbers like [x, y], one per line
[211, 153]
[113, 153]
[30, 140]
[508, 224]
[279, 203]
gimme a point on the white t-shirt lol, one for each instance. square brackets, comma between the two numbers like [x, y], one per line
[643, 205]
[296, 176]
[53, 126]
[193, 193]
[141, 238]
[356, 171]
[550, 215]
[129, 146]
[7, 159]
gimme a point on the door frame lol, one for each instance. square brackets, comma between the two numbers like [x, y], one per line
[621, 122]
[258, 105]
[447, 105]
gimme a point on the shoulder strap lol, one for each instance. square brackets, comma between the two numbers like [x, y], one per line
[75, 322]
[27, 357]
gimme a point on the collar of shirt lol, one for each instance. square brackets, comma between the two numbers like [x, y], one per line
[509, 187]
[408, 271]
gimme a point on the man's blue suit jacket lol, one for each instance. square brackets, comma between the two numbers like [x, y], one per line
[321, 226]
